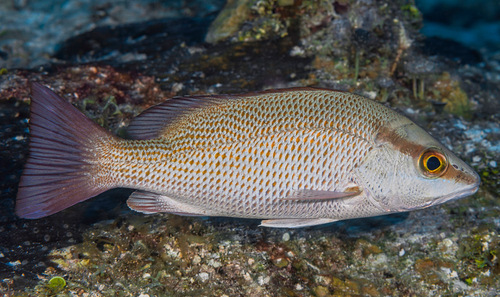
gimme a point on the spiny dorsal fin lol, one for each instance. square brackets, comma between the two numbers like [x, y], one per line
[154, 120]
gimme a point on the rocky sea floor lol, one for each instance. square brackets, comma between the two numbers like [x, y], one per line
[117, 59]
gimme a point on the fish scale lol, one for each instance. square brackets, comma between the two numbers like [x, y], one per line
[295, 157]
[253, 116]
[262, 162]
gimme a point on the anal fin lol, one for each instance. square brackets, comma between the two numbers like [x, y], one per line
[148, 202]
[294, 223]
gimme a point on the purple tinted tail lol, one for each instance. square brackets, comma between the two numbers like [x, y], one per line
[58, 172]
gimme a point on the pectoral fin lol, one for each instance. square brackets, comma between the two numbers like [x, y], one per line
[147, 202]
[306, 194]
[294, 223]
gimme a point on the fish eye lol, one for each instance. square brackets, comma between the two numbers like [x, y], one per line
[432, 163]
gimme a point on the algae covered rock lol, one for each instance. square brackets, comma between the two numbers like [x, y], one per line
[229, 20]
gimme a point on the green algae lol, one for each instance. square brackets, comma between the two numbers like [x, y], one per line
[412, 12]
[56, 284]
[490, 178]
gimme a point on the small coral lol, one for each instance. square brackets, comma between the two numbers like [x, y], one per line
[448, 90]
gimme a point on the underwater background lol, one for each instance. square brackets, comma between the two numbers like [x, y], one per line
[437, 62]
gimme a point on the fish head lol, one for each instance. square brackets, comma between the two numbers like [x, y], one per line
[408, 169]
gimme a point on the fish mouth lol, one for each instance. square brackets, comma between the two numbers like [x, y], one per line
[458, 195]
[450, 197]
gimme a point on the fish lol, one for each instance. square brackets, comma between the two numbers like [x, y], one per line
[292, 158]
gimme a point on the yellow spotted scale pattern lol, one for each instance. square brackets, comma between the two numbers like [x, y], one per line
[246, 155]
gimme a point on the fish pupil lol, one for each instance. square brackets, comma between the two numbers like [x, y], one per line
[433, 163]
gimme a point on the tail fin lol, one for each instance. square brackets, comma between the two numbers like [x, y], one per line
[57, 174]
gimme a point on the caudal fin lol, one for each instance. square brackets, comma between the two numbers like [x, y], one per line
[57, 174]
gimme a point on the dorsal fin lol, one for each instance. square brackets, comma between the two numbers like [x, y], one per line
[152, 122]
